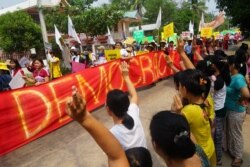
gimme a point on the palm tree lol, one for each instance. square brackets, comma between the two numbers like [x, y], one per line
[198, 6]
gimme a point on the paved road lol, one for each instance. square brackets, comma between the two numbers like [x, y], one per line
[71, 146]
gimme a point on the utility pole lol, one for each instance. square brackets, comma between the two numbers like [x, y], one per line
[42, 22]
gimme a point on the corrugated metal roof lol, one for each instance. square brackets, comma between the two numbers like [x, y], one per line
[148, 27]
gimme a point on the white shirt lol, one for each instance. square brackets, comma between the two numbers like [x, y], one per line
[123, 53]
[130, 138]
[76, 58]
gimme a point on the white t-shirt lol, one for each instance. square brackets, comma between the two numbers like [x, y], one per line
[130, 138]
[123, 53]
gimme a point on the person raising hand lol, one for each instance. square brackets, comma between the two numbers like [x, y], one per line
[76, 109]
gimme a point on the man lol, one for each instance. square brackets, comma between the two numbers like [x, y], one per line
[188, 50]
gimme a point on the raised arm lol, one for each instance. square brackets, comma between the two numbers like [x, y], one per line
[76, 109]
[187, 62]
[170, 64]
[130, 85]
[195, 52]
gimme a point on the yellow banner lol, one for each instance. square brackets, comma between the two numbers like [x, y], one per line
[141, 52]
[112, 54]
[206, 32]
[169, 30]
[163, 36]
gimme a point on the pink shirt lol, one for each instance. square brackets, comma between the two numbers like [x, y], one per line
[40, 75]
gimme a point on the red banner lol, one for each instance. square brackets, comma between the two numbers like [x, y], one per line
[32, 112]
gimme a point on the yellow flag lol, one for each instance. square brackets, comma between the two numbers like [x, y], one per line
[112, 54]
[206, 32]
[169, 30]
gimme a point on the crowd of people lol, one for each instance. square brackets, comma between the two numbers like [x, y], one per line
[206, 115]
[41, 71]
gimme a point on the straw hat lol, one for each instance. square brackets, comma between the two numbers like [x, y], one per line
[3, 66]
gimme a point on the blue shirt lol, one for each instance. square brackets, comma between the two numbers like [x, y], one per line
[238, 81]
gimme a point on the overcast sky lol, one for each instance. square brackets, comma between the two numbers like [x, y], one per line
[5, 3]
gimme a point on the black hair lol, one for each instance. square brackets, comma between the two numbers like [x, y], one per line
[40, 60]
[205, 66]
[177, 79]
[221, 64]
[220, 53]
[195, 82]
[171, 133]
[239, 64]
[118, 43]
[16, 62]
[118, 103]
[139, 157]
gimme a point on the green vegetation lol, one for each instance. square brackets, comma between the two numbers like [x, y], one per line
[19, 32]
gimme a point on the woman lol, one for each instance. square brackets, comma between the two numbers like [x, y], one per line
[237, 94]
[15, 67]
[218, 90]
[125, 113]
[76, 109]
[195, 87]
[40, 75]
[170, 133]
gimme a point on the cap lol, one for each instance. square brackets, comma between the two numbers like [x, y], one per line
[73, 48]
[3, 66]
[101, 47]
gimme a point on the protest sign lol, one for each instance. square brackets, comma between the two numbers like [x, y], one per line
[17, 81]
[112, 54]
[76, 67]
[185, 35]
[169, 30]
[206, 32]
[148, 39]
[138, 35]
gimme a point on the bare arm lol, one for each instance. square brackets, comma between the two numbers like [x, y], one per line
[28, 79]
[244, 93]
[180, 48]
[170, 64]
[130, 85]
[76, 109]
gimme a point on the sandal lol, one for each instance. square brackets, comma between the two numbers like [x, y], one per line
[236, 164]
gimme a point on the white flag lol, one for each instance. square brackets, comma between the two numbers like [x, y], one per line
[158, 21]
[72, 31]
[191, 27]
[57, 38]
[202, 22]
[110, 38]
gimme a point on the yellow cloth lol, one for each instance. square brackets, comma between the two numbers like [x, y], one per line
[199, 127]
[55, 68]
[210, 107]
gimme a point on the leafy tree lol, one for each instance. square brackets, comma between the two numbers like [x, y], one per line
[93, 21]
[238, 11]
[81, 4]
[18, 32]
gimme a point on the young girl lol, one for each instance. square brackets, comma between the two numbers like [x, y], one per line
[40, 75]
[125, 113]
[218, 90]
[237, 94]
[15, 67]
[195, 87]
[170, 133]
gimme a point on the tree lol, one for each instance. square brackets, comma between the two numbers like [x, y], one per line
[81, 4]
[238, 11]
[18, 32]
[93, 21]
